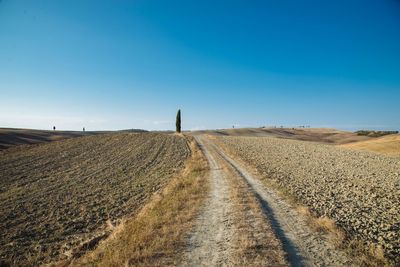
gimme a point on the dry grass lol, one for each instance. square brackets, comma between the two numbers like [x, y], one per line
[387, 145]
[362, 254]
[367, 254]
[156, 235]
[256, 241]
[323, 224]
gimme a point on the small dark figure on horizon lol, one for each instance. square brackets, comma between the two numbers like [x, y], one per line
[54, 128]
[83, 129]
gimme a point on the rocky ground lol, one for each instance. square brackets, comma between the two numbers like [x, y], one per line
[59, 196]
[359, 190]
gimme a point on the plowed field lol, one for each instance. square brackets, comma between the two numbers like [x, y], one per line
[359, 190]
[56, 198]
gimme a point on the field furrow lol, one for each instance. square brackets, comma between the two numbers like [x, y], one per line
[360, 191]
[55, 197]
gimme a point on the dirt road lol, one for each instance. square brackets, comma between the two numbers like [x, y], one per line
[211, 243]
[239, 205]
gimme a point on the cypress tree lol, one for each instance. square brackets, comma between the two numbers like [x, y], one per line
[178, 121]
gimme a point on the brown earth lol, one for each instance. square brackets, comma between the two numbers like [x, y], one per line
[359, 190]
[58, 198]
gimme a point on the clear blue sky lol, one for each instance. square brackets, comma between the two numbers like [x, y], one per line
[132, 64]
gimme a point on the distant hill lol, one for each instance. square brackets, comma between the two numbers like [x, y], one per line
[10, 137]
[320, 135]
[133, 131]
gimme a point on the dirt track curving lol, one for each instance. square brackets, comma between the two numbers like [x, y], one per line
[56, 197]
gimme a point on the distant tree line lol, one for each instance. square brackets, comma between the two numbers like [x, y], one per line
[375, 133]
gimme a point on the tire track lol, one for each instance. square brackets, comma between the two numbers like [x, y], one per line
[211, 243]
[303, 246]
[232, 229]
